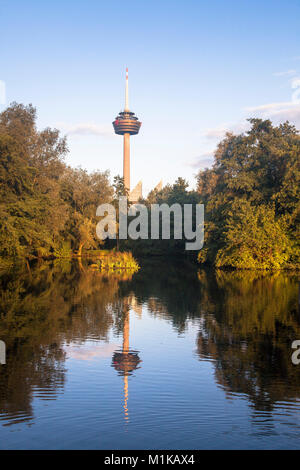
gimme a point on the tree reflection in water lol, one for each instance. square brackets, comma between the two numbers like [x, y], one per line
[247, 322]
[248, 326]
[41, 311]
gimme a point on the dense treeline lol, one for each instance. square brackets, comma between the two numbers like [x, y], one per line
[47, 208]
[251, 197]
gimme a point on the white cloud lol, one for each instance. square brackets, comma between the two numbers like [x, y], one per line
[203, 161]
[283, 110]
[217, 132]
[285, 74]
[295, 82]
[278, 112]
[269, 107]
[90, 353]
[86, 129]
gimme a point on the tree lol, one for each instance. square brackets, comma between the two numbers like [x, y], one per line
[251, 197]
[32, 213]
[43, 202]
[83, 193]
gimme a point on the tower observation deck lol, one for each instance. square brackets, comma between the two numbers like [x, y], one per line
[126, 124]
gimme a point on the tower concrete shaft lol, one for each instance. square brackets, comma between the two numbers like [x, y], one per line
[126, 124]
[126, 161]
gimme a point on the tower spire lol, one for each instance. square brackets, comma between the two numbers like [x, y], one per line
[126, 92]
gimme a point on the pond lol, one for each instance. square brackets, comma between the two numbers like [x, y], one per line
[170, 357]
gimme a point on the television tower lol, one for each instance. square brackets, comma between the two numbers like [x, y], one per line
[126, 124]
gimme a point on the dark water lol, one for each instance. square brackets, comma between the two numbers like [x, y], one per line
[168, 358]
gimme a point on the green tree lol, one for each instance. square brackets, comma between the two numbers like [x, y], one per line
[43, 202]
[251, 197]
[32, 213]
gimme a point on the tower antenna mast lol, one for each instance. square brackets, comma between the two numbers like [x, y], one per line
[126, 92]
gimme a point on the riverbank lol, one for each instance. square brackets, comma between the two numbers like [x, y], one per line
[95, 259]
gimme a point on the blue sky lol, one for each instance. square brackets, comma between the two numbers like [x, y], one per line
[196, 69]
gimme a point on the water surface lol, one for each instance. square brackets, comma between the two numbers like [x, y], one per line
[168, 358]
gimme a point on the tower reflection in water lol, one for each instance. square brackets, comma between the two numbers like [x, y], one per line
[126, 361]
